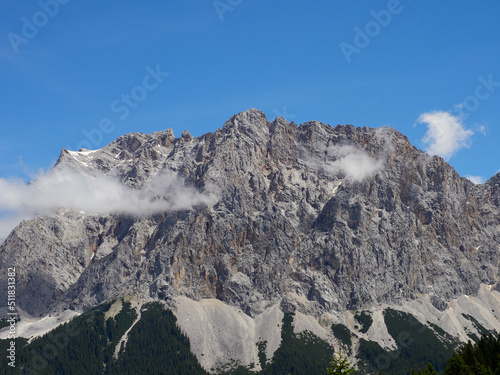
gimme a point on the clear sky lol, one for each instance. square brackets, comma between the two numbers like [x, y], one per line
[81, 73]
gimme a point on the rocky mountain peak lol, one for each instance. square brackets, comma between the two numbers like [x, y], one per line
[251, 116]
[336, 217]
[186, 135]
[249, 122]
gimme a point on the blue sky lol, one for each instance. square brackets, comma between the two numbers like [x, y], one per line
[367, 63]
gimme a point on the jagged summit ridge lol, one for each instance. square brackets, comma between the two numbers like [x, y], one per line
[340, 217]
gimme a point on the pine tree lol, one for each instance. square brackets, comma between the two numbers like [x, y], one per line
[340, 365]
[429, 370]
[456, 366]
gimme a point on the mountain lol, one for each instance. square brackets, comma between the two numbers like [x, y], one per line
[260, 219]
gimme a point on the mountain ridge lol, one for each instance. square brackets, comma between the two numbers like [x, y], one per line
[314, 219]
[137, 157]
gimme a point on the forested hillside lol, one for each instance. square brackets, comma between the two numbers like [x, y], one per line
[155, 345]
[481, 358]
[90, 344]
[86, 346]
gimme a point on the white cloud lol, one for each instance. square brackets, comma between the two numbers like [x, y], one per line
[353, 162]
[97, 194]
[475, 179]
[350, 161]
[446, 134]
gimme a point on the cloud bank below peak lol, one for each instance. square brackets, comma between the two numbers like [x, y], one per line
[101, 194]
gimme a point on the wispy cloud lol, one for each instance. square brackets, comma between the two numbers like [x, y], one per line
[98, 194]
[446, 134]
[475, 179]
[481, 128]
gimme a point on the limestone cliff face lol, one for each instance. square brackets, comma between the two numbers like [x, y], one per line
[314, 217]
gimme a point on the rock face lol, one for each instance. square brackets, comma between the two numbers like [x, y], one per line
[339, 217]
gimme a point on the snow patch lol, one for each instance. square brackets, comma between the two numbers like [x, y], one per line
[83, 152]
[336, 188]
